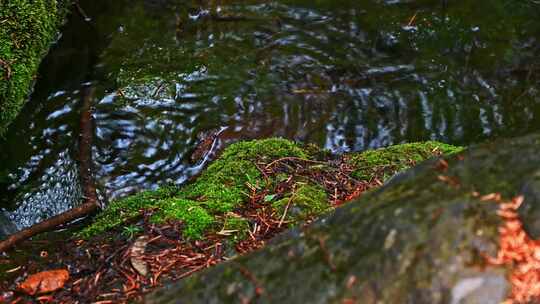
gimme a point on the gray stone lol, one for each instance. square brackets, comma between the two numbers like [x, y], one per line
[417, 239]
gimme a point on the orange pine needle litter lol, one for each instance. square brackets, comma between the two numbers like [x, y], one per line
[520, 252]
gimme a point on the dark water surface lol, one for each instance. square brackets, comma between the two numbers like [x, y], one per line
[347, 75]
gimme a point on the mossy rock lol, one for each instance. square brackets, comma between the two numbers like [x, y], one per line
[418, 239]
[222, 187]
[28, 27]
[196, 219]
[387, 161]
[305, 201]
[235, 225]
[225, 186]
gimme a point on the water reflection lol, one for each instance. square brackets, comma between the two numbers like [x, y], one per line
[346, 75]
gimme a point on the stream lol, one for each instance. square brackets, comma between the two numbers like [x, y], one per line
[346, 75]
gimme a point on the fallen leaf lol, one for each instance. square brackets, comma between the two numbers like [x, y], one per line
[441, 165]
[45, 281]
[137, 254]
[450, 180]
[491, 197]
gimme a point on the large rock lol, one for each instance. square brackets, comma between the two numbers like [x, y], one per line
[419, 239]
[28, 28]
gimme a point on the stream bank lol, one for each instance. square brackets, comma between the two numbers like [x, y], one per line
[171, 75]
[348, 76]
[251, 193]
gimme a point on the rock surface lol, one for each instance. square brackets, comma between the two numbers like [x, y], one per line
[419, 239]
[28, 28]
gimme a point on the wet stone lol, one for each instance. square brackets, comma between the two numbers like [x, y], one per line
[418, 239]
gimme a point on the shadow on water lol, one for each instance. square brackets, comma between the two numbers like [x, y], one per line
[347, 75]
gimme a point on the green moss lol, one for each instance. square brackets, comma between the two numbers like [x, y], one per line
[384, 163]
[28, 27]
[236, 226]
[227, 183]
[305, 201]
[195, 218]
[123, 210]
[222, 187]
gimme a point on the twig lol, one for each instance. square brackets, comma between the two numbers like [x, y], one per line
[158, 89]
[286, 209]
[413, 18]
[81, 12]
[294, 158]
[185, 274]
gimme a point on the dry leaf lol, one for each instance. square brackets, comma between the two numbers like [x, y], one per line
[137, 254]
[351, 281]
[450, 180]
[441, 165]
[46, 281]
[491, 197]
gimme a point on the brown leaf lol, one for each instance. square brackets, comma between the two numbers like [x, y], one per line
[351, 281]
[450, 180]
[491, 197]
[441, 165]
[137, 255]
[45, 281]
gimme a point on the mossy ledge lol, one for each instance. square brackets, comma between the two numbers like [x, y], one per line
[28, 27]
[211, 202]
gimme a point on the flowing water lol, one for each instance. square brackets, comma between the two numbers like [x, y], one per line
[347, 75]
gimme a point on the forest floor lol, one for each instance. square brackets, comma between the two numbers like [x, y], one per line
[198, 225]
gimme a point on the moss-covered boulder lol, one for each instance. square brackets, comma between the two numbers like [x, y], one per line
[221, 188]
[387, 161]
[422, 238]
[27, 28]
[212, 201]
